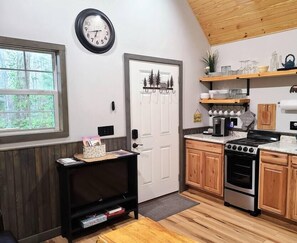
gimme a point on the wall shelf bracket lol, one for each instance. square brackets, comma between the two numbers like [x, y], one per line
[247, 86]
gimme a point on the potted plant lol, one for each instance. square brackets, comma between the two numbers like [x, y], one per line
[211, 61]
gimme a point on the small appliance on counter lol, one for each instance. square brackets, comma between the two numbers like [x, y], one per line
[221, 125]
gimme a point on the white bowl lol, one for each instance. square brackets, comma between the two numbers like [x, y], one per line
[204, 95]
[223, 91]
[212, 92]
[263, 69]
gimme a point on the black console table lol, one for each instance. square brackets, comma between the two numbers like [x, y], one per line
[70, 176]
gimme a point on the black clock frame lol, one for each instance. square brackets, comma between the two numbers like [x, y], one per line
[79, 31]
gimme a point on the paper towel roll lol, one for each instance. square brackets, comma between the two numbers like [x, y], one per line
[288, 104]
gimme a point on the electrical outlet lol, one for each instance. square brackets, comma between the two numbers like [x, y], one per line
[105, 131]
[293, 125]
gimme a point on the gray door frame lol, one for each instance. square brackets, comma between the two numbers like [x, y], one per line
[129, 57]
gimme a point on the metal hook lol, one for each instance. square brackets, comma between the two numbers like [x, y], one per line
[293, 89]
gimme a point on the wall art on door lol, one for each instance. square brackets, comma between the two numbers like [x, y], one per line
[155, 82]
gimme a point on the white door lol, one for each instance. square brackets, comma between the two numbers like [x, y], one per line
[155, 114]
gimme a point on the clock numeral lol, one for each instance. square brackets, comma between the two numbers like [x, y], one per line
[88, 35]
[97, 42]
[102, 41]
[92, 39]
[105, 38]
[107, 33]
[86, 28]
[105, 27]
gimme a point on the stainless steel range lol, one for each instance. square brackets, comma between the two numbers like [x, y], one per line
[242, 170]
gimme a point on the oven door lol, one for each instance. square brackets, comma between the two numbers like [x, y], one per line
[240, 172]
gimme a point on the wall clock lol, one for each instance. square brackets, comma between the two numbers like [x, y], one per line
[94, 30]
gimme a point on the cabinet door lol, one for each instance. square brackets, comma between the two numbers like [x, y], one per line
[273, 188]
[212, 173]
[194, 167]
[292, 204]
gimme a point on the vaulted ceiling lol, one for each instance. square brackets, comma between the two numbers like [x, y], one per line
[230, 20]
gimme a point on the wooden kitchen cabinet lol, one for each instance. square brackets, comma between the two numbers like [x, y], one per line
[194, 167]
[212, 172]
[204, 166]
[273, 188]
[292, 191]
[273, 182]
[278, 183]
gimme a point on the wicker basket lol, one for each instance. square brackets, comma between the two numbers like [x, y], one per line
[94, 151]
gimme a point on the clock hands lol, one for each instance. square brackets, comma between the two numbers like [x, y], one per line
[94, 30]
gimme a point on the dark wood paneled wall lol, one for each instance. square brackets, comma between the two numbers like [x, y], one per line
[29, 193]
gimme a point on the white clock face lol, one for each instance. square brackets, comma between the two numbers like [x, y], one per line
[96, 30]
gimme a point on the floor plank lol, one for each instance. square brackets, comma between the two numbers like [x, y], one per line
[212, 222]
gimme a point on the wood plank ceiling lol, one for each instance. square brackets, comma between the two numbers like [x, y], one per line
[225, 21]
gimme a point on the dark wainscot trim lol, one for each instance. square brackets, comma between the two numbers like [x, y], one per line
[29, 192]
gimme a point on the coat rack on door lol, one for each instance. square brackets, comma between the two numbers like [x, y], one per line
[153, 83]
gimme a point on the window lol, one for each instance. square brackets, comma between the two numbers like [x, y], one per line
[33, 95]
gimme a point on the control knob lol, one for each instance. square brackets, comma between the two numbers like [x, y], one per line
[245, 149]
[234, 147]
[251, 150]
[229, 146]
[239, 148]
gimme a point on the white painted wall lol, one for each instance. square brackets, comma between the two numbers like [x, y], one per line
[269, 90]
[166, 29]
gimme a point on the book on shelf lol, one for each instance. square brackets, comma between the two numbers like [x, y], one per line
[114, 211]
[69, 161]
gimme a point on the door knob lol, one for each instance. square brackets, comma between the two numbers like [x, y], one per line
[135, 145]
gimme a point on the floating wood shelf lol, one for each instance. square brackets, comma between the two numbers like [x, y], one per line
[250, 76]
[224, 101]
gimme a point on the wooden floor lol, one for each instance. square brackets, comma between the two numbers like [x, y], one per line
[213, 222]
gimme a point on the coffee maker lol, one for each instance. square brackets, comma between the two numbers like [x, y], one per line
[221, 125]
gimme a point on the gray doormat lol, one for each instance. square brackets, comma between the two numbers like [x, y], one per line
[163, 207]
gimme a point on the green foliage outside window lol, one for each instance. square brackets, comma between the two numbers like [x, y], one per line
[22, 72]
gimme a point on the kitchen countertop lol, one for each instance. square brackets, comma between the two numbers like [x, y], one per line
[287, 144]
[221, 140]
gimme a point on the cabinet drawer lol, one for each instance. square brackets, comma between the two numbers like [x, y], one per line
[274, 158]
[204, 146]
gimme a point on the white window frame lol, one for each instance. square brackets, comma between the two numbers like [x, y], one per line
[60, 92]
